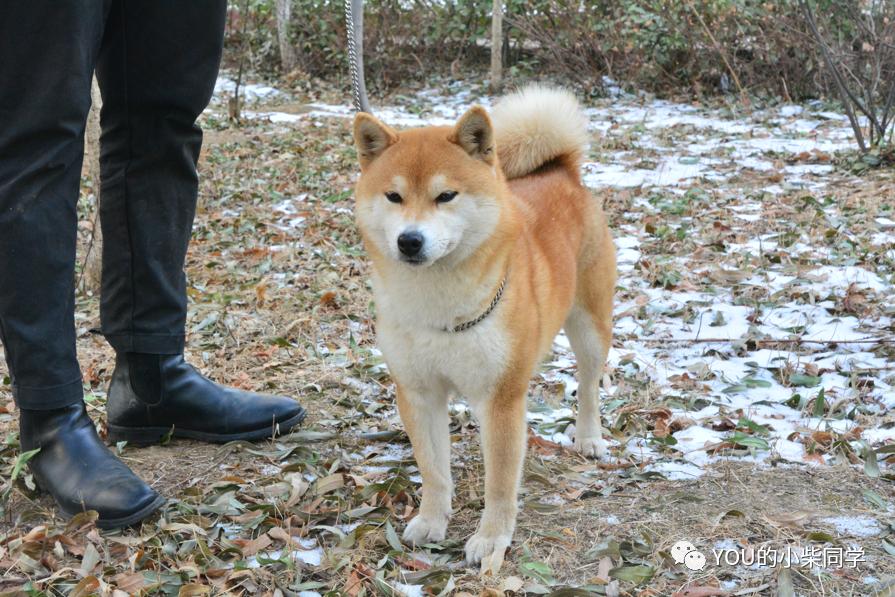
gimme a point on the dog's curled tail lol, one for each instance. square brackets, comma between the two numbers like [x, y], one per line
[537, 125]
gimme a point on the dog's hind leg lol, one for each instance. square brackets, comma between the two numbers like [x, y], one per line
[426, 420]
[591, 346]
[589, 329]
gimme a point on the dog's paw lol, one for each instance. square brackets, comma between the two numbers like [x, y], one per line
[487, 547]
[591, 447]
[422, 530]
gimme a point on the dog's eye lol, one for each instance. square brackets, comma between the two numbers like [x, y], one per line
[393, 197]
[446, 196]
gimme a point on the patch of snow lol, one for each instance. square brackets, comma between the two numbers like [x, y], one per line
[790, 450]
[275, 117]
[249, 92]
[854, 526]
[409, 590]
[754, 163]
[627, 254]
[693, 441]
[676, 471]
[668, 173]
[815, 169]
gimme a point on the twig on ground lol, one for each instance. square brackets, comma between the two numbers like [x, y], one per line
[764, 341]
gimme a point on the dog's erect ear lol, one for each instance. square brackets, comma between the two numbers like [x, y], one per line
[371, 137]
[474, 133]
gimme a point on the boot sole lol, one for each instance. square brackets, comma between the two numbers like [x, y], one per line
[148, 436]
[107, 524]
[117, 523]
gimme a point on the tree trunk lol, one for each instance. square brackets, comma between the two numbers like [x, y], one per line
[496, 46]
[287, 52]
[93, 263]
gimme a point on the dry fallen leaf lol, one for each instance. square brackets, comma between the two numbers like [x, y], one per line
[700, 592]
[512, 583]
[87, 586]
[129, 582]
[250, 548]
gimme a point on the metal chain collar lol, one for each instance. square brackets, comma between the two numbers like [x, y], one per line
[468, 324]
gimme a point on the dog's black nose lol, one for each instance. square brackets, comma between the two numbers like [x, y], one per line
[410, 243]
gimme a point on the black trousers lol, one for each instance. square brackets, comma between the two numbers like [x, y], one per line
[156, 62]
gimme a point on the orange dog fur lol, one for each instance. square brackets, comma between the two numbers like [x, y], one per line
[450, 216]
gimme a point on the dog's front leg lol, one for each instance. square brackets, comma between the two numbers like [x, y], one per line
[504, 440]
[426, 420]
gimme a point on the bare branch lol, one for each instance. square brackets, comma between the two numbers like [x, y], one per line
[844, 94]
[743, 95]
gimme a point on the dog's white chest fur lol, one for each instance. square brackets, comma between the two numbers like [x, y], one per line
[425, 357]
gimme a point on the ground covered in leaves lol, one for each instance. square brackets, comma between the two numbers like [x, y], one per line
[748, 399]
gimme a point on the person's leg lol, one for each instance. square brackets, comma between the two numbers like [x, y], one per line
[157, 71]
[48, 50]
[45, 73]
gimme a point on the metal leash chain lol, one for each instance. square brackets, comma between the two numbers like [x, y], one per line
[352, 55]
[353, 16]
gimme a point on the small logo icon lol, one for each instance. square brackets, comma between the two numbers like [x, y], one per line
[684, 552]
[695, 561]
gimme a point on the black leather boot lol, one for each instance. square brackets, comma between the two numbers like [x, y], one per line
[151, 395]
[79, 471]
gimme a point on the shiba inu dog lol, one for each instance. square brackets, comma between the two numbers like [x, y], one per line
[484, 244]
